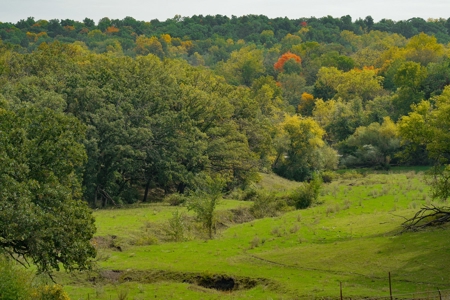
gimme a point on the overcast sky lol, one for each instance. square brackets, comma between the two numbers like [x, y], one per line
[146, 10]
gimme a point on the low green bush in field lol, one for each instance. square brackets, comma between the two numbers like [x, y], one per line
[18, 283]
[351, 175]
[250, 194]
[175, 199]
[50, 292]
[15, 281]
[247, 194]
[267, 204]
[307, 194]
[176, 227]
[145, 240]
[328, 176]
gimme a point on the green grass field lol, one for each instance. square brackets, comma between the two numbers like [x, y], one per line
[352, 237]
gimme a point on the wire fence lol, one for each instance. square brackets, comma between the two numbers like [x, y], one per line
[437, 294]
[427, 295]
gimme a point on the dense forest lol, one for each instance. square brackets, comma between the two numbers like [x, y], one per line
[117, 109]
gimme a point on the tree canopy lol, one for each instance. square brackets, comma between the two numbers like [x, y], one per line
[42, 214]
[428, 125]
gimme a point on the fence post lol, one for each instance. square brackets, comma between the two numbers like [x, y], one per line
[440, 296]
[390, 286]
[340, 283]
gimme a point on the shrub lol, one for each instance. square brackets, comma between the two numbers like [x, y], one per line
[329, 158]
[255, 242]
[205, 199]
[15, 282]
[267, 205]
[176, 227]
[50, 292]
[328, 176]
[144, 239]
[352, 174]
[249, 194]
[307, 194]
[175, 199]
[263, 205]
[122, 295]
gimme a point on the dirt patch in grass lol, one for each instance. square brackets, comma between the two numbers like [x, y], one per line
[234, 216]
[242, 215]
[111, 275]
[220, 282]
[106, 242]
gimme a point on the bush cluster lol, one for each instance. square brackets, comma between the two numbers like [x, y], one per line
[17, 283]
[267, 204]
[307, 194]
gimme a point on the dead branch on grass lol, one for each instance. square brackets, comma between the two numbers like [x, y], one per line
[427, 216]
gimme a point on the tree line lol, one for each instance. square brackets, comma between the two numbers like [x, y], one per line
[291, 101]
[200, 28]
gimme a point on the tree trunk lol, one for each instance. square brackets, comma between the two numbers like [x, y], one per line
[276, 161]
[181, 187]
[147, 186]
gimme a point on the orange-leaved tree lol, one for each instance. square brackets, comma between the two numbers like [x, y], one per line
[111, 30]
[284, 58]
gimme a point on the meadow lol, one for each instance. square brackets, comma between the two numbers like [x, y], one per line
[352, 238]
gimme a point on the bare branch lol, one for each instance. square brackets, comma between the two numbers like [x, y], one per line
[427, 216]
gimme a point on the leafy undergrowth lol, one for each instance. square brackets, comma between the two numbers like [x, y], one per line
[352, 237]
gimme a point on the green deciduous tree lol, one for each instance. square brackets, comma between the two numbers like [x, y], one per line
[293, 86]
[424, 49]
[244, 66]
[339, 118]
[364, 84]
[331, 82]
[373, 145]
[408, 79]
[42, 215]
[428, 125]
[438, 77]
[379, 108]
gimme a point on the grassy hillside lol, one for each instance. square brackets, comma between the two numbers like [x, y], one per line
[352, 237]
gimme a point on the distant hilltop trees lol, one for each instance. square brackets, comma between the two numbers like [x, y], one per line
[257, 29]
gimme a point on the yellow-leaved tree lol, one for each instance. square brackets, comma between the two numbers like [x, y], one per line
[300, 148]
[357, 83]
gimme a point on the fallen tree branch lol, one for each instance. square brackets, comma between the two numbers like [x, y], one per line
[427, 216]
